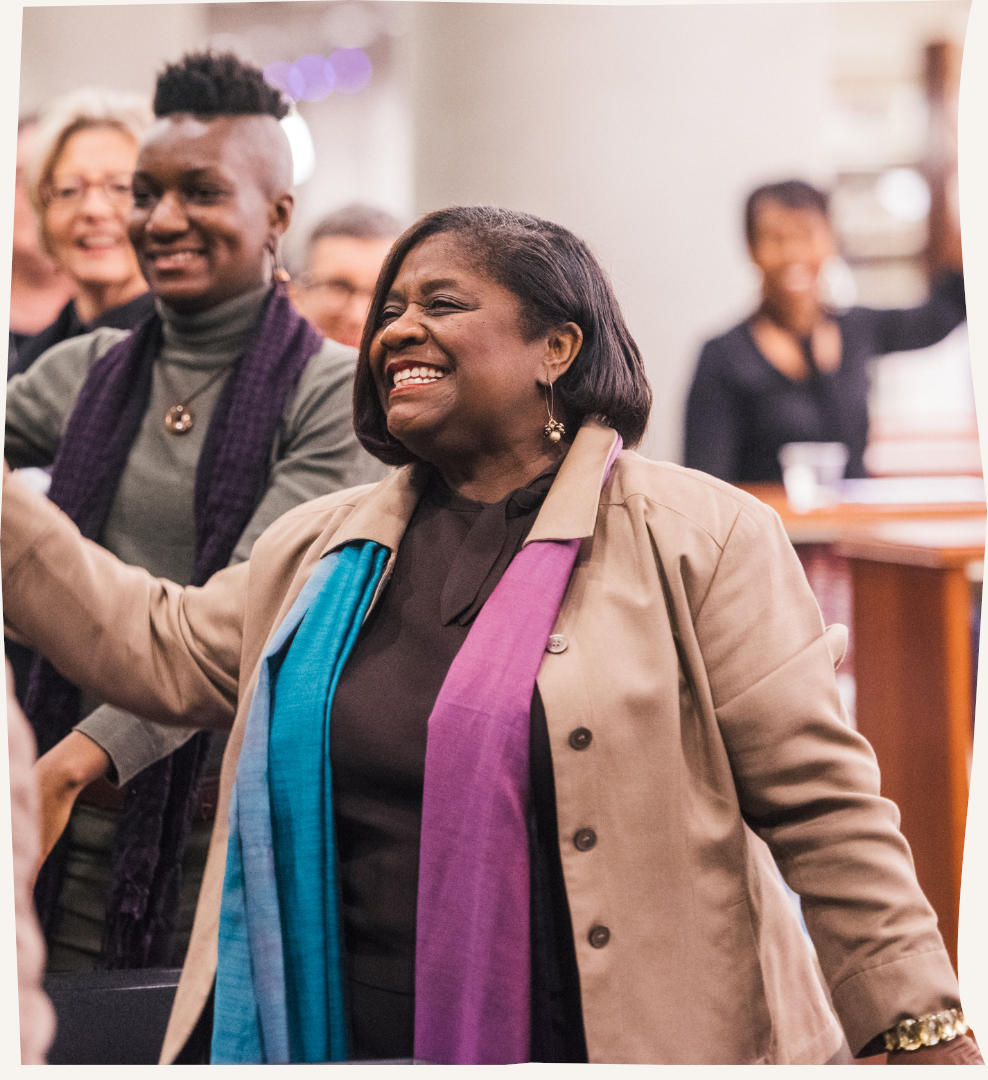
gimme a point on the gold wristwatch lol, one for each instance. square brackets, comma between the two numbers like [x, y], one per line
[928, 1030]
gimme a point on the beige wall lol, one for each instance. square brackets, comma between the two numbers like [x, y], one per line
[640, 127]
[121, 46]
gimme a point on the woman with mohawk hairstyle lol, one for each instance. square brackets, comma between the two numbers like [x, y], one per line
[174, 445]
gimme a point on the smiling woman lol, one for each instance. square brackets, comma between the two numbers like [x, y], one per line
[459, 377]
[201, 233]
[797, 370]
[175, 445]
[522, 735]
[80, 185]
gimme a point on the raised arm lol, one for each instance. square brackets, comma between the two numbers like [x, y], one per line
[117, 632]
[315, 452]
[901, 329]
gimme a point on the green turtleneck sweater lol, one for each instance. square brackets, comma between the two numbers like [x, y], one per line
[151, 519]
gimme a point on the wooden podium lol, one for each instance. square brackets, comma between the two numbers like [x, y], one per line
[913, 625]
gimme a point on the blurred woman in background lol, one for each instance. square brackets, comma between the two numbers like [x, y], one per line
[80, 185]
[796, 370]
[38, 288]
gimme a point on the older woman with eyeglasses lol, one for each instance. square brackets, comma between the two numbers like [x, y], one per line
[80, 186]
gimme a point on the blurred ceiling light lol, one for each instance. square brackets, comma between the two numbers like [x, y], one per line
[904, 194]
[313, 77]
[353, 70]
[316, 77]
[280, 75]
[303, 149]
[352, 26]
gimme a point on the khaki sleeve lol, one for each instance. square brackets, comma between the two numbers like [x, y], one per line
[138, 642]
[808, 784]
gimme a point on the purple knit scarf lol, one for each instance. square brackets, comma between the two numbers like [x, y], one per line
[231, 475]
[472, 950]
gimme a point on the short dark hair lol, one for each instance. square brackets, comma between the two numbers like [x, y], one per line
[357, 220]
[216, 84]
[796, 194]
[557, 279]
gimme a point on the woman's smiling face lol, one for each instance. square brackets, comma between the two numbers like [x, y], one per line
[790, 246]
[205, 216]
[87, 203]
[453, 370]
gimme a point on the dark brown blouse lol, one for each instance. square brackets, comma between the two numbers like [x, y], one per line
[451, 556]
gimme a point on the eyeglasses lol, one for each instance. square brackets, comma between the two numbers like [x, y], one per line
[72, 191]
[335, 293]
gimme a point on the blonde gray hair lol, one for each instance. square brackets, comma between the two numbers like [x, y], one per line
[89, 107]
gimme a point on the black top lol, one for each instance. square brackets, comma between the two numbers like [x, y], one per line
[741, 408]
[26, 349]
[453, 553]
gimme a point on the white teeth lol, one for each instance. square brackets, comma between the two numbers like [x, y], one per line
[417, 376]
[175, 256]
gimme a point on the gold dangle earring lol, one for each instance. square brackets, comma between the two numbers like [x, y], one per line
[278, 272]
[554, 429]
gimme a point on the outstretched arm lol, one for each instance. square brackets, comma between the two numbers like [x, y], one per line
[902, 329]
[140, 642]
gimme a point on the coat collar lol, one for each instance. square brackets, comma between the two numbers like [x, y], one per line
[568, 513]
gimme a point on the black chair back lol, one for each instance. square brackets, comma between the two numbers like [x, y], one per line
[110, 1017]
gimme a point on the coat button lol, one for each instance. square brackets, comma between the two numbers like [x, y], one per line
[557, 643]
[580, 738]
[599, 936]
[584, 839]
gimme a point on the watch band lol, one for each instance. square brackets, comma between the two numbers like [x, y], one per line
[927, 1030]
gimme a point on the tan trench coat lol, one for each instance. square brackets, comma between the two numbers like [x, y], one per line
[694, 724]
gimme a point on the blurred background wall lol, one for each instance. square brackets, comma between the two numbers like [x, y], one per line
[641, 128]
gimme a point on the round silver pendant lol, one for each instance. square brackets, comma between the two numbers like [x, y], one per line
[179, 419]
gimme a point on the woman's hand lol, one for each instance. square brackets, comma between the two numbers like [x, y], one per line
[961, 1051]
[61, 774]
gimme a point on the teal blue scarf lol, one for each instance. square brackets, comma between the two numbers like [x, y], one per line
[283, 934]
[279, 984]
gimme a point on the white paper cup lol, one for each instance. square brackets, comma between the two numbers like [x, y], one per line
[812, 473]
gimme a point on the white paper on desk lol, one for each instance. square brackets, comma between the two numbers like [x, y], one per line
[929, 490]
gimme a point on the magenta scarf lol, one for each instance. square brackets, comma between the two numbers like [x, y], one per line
[472, 952]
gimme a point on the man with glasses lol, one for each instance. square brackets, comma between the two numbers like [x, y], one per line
[343, 256]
